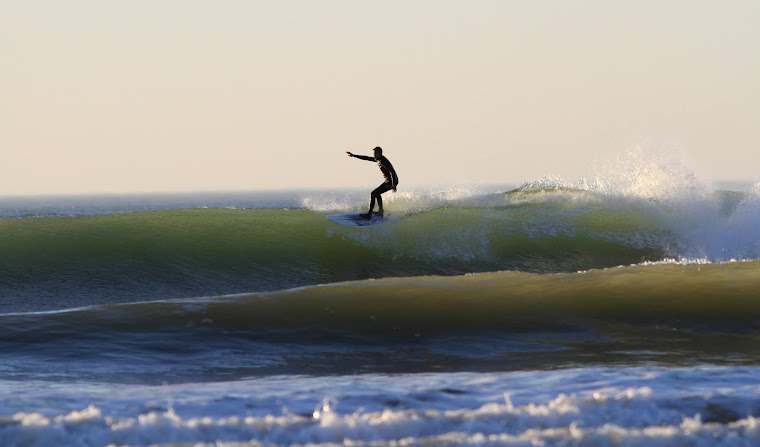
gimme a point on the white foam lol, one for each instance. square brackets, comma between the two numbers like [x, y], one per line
[407, 200]
[658, 179]
[599, 406]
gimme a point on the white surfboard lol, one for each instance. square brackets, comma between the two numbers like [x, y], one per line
[355, 220]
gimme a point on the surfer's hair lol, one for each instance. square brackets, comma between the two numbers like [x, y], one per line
[379, 150]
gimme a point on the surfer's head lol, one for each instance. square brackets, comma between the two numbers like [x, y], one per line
[378, 151]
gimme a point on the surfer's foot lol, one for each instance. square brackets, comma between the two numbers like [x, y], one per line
[367, 216]
[379, 213]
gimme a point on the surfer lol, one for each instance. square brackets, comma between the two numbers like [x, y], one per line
[391, 180]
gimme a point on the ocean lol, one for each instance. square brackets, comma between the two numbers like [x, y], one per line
[541, 314]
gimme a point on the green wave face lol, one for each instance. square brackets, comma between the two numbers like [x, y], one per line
[199, 252]
[166, 254]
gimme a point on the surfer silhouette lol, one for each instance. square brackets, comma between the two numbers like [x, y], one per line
[391, 180]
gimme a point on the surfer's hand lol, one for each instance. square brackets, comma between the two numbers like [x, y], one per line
[349, 154]
[394, 189]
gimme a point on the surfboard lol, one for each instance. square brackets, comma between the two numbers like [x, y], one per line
[355, 220]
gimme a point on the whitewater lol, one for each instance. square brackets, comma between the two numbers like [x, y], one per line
[617, 309]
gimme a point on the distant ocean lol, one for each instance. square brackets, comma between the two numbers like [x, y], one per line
[541, 314]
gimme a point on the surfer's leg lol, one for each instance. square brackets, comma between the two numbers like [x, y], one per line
[378, 193]
[376, 196]
[373, 196]
[372, 199]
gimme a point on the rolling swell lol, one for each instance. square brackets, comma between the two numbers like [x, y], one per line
[489, 321]
[717, 297]
[206, 252]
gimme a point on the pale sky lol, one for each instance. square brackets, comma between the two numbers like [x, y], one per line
[187, 95]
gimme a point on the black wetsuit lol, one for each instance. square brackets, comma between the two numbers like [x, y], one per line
[391, 180]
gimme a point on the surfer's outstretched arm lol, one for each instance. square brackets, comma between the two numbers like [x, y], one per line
[361, 157]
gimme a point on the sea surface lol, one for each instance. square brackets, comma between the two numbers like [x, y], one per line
[599, 313]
